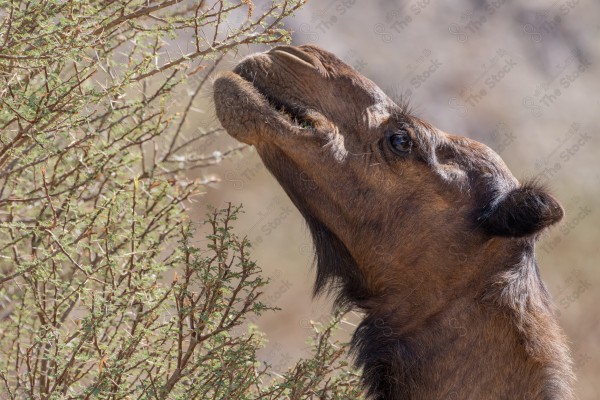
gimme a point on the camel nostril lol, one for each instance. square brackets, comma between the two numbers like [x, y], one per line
[294, 54]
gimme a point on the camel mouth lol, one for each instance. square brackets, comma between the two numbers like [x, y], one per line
[256, 103]
[296, 116]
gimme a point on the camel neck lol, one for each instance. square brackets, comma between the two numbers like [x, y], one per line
[475, 348]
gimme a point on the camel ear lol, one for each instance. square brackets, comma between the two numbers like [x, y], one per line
[522, 212]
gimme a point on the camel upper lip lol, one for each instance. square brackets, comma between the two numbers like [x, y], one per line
[295, 54]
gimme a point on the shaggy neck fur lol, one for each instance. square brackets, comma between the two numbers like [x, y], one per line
[486, 346]
[471, 350]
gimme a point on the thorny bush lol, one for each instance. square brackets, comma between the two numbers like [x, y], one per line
[102, 294]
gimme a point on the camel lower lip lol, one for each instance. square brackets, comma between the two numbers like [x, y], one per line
[247, 115]
[294, 115]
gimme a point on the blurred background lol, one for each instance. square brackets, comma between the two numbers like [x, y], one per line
[522, 77]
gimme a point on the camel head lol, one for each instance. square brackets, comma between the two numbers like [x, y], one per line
[394, 204]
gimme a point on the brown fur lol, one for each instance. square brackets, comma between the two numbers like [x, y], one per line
[434, 240]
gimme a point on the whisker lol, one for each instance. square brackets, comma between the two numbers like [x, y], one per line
[360, 154]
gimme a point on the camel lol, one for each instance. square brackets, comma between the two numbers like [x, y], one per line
[427, 233]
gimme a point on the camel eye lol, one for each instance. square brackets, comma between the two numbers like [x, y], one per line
[399, 141]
